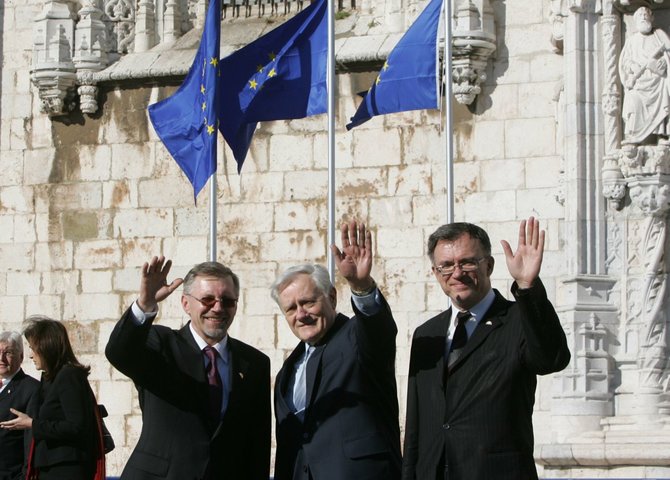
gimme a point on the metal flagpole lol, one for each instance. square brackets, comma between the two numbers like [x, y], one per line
[448, 123]
[331, 138]
[212, 217]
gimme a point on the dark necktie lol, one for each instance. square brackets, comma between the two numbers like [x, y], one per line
[215, 385]
[460, 337]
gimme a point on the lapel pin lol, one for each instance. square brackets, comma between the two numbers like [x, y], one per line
[241, 375]
[489, 322]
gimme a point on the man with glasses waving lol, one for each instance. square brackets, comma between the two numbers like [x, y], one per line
[205, 397]
[473, 367]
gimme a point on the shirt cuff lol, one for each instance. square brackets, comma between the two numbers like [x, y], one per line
[368, 305]
[139, 316]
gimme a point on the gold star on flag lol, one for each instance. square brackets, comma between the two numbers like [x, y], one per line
[260, 68]
[210, 129]
[386, 66]
[272, 73]
[214, 61]
[204, 106]
[253, 84]
[379, 79]
[202, 89]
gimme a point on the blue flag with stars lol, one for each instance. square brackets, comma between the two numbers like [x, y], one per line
[187, 121]
[279, 76]
[408, 80]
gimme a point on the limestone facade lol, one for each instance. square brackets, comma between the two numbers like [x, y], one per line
[88, 193]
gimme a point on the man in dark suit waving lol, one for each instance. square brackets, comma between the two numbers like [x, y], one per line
[205, 397]
[20, 392]
[472, 374]
[336, 402]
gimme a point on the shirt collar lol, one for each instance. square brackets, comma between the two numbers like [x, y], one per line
[221, 347]
[479, 310]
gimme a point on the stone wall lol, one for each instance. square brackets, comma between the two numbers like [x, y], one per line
[84, 200]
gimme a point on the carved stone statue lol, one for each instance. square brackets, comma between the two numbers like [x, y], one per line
[643, 68]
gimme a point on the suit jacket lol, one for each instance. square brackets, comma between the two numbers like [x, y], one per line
[65, 428]
[350, 428]
[474, 421]
[20, 394]
[179, 441]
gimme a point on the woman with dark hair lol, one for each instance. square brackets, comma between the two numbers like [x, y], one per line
[66, 443]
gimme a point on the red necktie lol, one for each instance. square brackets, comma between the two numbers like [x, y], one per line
[215, 385]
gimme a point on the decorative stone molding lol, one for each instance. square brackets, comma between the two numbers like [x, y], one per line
[112, 40]
[53, 69]
[473, 43]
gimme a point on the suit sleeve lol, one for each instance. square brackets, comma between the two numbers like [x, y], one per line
[74, 398]
[135, 350]
[377, 332]
[411, 442]
[262, 419]
[546, 349]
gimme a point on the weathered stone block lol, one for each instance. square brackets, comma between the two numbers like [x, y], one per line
[54, 256]
[49, 305]
[410, 180]
[132, 161]
[145, 222]
[399, 242]
[25, 283]
[96, 281]
[502, 175]
[304, 185]
[519, 144]
[299, 216]
[103, 254]
[393, 212]
[490, 207]
[381, 148]
[293, 246]
[16, 199]
[78, 307]
[17, 256]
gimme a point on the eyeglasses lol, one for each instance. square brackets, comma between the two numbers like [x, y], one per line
[209, 302]
[9, 353]
[469, 265]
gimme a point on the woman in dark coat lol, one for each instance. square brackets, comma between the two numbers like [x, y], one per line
[65, 432]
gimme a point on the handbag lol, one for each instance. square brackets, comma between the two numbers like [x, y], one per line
[107, 441]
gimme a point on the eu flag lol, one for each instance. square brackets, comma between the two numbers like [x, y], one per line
[408, 80]
[279, 76]
[187, 122]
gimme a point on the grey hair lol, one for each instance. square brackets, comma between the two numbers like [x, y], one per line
[316, 272]
[14, 339]
[210, 269]
[452, 231]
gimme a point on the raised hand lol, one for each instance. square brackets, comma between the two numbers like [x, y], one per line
[153, 284]
[354, 261]
[524, 264]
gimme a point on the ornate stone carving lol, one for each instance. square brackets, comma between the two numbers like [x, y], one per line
[53, 69]
[145, 33]
[643, 68]
[120, 20]
[109, 29]
[473, 43]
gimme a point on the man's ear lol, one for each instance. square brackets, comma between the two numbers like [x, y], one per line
[184, 304]
[490, 262]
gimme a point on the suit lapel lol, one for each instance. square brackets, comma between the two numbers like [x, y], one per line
[313, 374]
[491, 320]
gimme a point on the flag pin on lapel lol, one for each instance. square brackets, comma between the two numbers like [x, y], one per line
[241, 375]
[488, 322]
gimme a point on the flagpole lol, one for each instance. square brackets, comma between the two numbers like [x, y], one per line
[212, 217]
[448, 123]
[331, 138]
